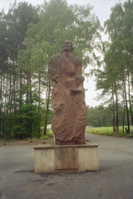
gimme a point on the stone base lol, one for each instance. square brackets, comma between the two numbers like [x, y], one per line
[66, 158]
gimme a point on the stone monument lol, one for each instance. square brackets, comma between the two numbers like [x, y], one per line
[70, 152]
[68, 101]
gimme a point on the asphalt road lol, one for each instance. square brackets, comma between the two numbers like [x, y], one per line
[113, 181]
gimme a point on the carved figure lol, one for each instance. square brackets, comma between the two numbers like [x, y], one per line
[68, 102]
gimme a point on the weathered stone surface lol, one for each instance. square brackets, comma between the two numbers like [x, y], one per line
[63, 158]
[68, 102]
[44, 159]
[66, 158]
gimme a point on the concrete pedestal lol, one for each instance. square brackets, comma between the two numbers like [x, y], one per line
[64, 158]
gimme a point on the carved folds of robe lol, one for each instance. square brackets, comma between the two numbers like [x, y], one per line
[68, 99]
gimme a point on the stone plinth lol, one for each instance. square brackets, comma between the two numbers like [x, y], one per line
[62, 158]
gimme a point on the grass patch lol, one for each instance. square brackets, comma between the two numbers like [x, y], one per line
[48, 135]
[100, 130]
[108, 131]
[42, 138]
[45, 137]
[7, 140]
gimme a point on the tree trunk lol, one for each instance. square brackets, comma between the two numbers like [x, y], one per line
[47, 106]
[117, 111]
[114, 122]
[130, 102]
[126, 108]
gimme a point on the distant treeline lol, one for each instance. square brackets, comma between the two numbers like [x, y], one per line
[100, 116]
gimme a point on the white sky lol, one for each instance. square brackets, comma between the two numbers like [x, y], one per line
[101, 8]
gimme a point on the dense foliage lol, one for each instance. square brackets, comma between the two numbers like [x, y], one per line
[116, 77]
[102, 116]
[28, 37]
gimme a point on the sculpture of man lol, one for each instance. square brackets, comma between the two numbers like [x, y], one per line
[68, 102]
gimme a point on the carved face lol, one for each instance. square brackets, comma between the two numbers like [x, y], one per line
[67, 46]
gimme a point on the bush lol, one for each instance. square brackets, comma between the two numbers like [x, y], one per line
[28, 122]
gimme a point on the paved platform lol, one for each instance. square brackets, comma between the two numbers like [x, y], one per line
[113, 181]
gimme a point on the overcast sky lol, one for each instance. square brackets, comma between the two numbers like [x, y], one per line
[101, 8]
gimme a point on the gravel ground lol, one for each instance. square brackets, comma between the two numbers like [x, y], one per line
[113, 181]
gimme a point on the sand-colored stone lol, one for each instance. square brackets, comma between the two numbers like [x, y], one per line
[66, 158]
[88, 159]
[62, 158]
[44, 159]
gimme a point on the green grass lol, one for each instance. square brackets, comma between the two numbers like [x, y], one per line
[108, 131]
[100, 130]
[48, 135]
[7, 140]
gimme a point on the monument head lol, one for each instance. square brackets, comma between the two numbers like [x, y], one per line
[67, 46]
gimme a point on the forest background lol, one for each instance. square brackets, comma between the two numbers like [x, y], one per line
[30, 35]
